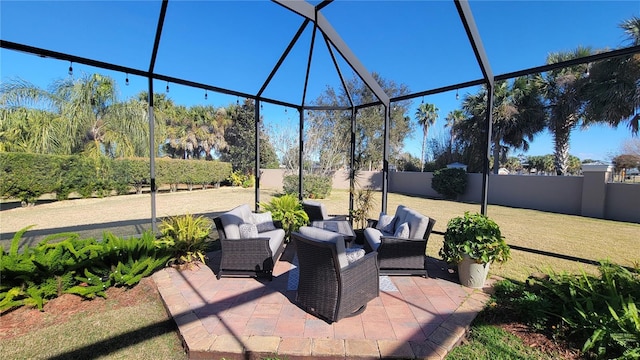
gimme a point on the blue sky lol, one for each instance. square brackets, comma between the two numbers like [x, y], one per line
[236, 44]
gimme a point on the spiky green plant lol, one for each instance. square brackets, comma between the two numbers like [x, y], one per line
[362, 205]
[186, 236]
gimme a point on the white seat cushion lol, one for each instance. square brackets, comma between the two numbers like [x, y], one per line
[403, 231]
[276, 237]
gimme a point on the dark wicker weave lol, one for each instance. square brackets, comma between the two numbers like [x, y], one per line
[327, 291]
[317, 212]
[400, 256]
[246, 257]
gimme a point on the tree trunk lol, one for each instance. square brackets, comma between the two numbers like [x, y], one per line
[561, 147]
[424, 140]
[496, 157]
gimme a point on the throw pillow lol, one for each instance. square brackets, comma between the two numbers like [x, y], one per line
[248, 231]
[403, 231]
[263, 221]
[354, 254]
[386, 223]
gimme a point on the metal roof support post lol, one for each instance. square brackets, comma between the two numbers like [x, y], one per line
[352, 162]
[257, 152]
[152, 140]
[300, 153]
[385, 157]
[152, 158]
[485, 163]
[464, 11]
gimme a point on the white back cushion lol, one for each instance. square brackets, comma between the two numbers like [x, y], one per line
[324, 235]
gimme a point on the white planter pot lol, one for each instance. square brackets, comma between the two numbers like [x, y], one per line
[472, 274]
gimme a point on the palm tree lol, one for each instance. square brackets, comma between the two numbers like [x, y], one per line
[453, 117]
[76, 116]
[632, 28]
[518, 115]
[426, 114]
[31, 120]
[564, 101]
[612, 92]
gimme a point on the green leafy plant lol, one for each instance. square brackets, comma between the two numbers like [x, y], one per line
[288, 210]
[449, 182]
[65, 263]
[237, 178]
[474, 235]
[186, 236]
[600, 312]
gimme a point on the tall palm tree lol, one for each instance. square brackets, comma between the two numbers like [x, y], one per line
[31, 119]
[453, 117]
[564, 101]
[612, 91]
[426, 114]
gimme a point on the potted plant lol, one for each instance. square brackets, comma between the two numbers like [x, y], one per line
[473, 242]
[288, 210]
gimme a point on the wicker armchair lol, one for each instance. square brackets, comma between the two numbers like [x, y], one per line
[401, 255]
[318, 212]
[328, 288]
[252, 256]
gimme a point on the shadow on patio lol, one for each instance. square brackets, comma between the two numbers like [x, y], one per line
[243, 318]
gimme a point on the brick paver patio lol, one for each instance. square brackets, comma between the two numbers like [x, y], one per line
[240, 318]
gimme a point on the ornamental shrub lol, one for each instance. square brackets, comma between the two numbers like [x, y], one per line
[313, 186]
[449, 182]
[475, 235]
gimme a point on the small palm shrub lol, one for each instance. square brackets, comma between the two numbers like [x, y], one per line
[288, 210]
[186, 236]
[237, 178]
[362, 205]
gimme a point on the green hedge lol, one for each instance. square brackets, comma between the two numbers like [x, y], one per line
[28, 176]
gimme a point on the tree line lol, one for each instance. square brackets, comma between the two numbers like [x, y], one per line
[84, 116]
[560, 101]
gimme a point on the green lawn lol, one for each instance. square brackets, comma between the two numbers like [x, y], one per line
[564, 235]
[585, 238]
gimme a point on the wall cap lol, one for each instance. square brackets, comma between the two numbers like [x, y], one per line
[597, 168]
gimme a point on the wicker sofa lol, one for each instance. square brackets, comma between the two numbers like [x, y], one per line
[246, 252]
[331, 285]
[400, 241]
